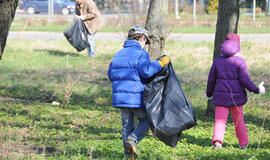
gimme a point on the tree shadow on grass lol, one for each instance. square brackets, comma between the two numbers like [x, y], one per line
[58, 53]
[75, 134]
[234, 155]
[25, 94]
[98, 130]
[98, 100]
[205, 142]
[101, 153]
[29, 94]
[262, 145]
[107, 154]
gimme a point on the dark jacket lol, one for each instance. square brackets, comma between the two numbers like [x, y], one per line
[128, 72]
[228, 79]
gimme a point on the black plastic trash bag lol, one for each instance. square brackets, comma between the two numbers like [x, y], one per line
[167, 106]
[76, 34]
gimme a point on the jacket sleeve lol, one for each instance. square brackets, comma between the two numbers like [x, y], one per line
[91, 11]
[245, 80]
[146, 68]
[211, 83]
[109, 72]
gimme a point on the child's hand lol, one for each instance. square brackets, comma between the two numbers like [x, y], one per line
[164, 60]
[261, 88]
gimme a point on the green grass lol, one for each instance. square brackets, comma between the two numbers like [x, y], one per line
[202, 29]
[58, 28]
[176, 29]
[45, 28]
[205, 23]
[35, 73]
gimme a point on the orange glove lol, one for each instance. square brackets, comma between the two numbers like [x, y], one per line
[164, 60]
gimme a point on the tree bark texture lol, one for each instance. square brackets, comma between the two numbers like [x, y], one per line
[7, 13]
[156, 26]
[227, 22]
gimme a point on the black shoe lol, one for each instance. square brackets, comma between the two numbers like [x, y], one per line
[130, 145]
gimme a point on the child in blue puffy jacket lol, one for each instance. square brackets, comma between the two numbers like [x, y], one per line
[128, 71]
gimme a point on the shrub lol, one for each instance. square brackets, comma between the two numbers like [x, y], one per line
[212, 7]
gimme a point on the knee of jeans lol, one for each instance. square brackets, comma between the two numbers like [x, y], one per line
[127, 124]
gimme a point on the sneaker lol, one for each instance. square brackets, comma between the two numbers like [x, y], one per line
[217, 146]
[130, 145]
[243, 146]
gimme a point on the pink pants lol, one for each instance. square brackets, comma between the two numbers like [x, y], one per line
[221, 115]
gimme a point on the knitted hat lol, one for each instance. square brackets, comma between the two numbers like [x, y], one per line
[233, 36]
[230, 47]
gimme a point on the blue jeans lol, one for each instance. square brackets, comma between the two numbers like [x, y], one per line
[91, 48]
[128, 130]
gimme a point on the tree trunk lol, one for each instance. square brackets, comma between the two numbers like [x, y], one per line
[266, 7]
[227, 22]
[176, 9]
[156, 26]
[228, 15]
[7, 13]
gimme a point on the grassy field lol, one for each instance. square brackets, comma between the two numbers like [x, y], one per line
[205, 23]
[175, 29]
[85, 126]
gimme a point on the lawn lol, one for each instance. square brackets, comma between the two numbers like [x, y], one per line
[36, 74]
[205, 23]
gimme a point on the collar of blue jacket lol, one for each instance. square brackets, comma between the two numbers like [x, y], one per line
[132, 43]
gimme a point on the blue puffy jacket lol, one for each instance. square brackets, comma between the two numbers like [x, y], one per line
[128, 72]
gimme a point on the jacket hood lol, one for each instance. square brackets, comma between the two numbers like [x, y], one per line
[131, 43]
[233, 36]
[230, 48]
